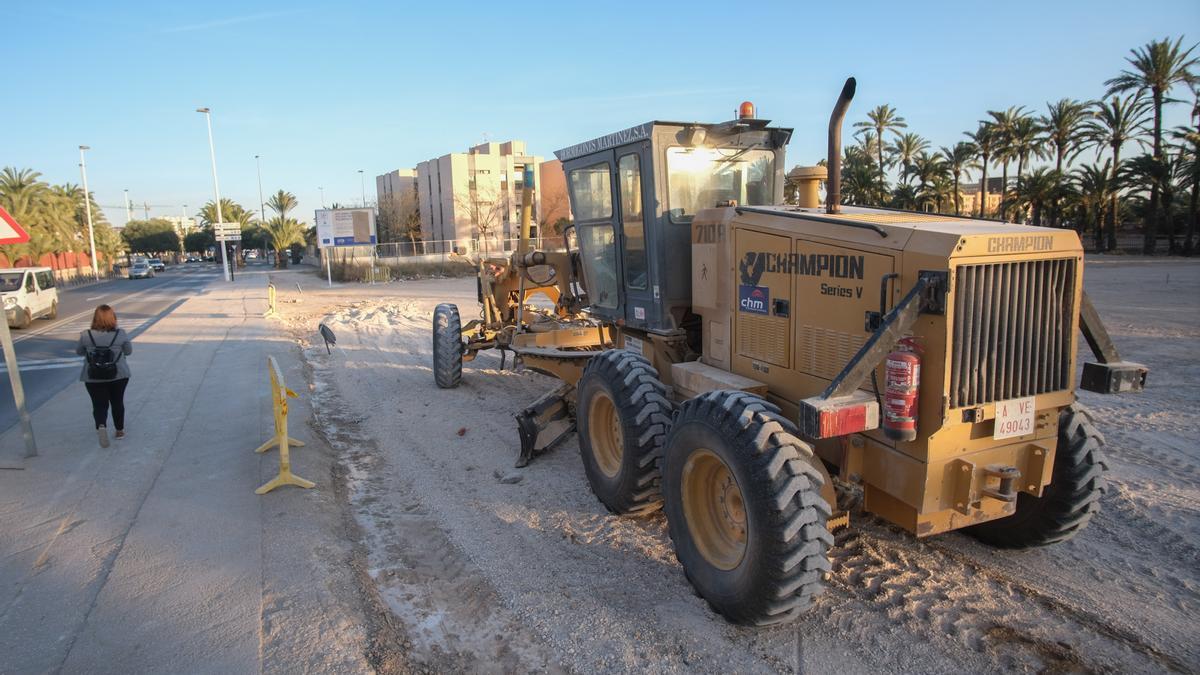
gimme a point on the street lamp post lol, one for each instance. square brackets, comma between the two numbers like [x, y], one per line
[363, 185]
[212, 152]
[262, 211]
[87, 200]
[128, 207]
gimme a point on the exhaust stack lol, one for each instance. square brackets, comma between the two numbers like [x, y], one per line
[833, 191]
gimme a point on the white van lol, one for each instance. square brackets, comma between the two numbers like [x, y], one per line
[28, 293]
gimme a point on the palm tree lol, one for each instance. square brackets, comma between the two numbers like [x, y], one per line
[940, 192]
[1112, 124]
[231, 211]
[1157, 68]
[1189, 143]
[1035, 191]
[1095, 186]
[284, 232]
[1026, 144]
[1064, 135]
[984, 139]
[904, 149]
[1004, 149]
[928, 169]
[959, 159]
[867, 149]
[882, 119]
[905, 197]
[281, 202]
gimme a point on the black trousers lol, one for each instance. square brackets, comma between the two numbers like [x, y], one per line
[105, 394]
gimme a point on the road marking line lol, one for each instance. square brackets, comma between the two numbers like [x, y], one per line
[74, 317]
[46, 364]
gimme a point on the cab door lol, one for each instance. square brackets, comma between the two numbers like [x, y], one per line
[633, 201]
[591, 184]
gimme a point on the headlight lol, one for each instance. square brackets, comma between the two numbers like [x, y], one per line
[10, 301]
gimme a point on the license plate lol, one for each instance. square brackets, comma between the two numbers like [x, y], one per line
[1014, 418]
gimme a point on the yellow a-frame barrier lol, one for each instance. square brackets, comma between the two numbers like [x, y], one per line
[279, 397]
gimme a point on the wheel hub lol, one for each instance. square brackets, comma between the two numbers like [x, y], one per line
[714, 509]
[605, 434]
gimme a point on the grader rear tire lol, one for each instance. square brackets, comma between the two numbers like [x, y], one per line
[1070, 500]
[447, 346]
[744, 508]
[623, 418]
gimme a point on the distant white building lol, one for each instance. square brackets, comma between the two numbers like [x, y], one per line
[183, 224]
[466, 195]
[394, 183]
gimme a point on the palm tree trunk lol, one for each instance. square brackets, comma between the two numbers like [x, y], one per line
[1055, 216]
[1113, 205]
[1020, 169]
[1153, 226]
[1004, 192]
[1191, 231]
[957, 200]
[882, 176]
[983, 189]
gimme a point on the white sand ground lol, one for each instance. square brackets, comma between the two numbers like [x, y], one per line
[489, 576]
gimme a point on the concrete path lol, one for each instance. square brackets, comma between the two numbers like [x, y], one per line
[155, 555]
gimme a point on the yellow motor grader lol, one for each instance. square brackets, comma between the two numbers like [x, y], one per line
[726, 356]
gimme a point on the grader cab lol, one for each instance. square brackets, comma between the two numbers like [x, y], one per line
[730, 356]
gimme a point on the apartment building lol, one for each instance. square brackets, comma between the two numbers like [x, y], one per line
[476, 194]
[395, 184]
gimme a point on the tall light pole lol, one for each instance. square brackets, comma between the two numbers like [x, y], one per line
[87, 200]
[128, 207]
[262, 211]
[362, 184]
[212, 152]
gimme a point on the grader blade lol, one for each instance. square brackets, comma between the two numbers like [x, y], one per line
[544, 423]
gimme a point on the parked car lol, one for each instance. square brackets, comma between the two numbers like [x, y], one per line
[28, 293]
[157, 265]
[193, 258]
[141, 270]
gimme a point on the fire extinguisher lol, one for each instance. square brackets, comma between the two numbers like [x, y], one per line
[901, 390]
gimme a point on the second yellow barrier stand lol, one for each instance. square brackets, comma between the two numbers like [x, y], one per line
[279, 397]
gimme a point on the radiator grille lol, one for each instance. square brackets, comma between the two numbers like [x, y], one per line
[1012, 330]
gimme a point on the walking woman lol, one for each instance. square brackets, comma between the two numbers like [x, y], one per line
[105, 370]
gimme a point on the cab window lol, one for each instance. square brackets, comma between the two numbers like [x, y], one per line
[701, 178]
[29, 282]
[591, 190]
[629, 176]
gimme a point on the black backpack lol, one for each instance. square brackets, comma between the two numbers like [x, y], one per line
[102, 361]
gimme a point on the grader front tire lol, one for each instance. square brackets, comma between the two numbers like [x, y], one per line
[623, 418]
[744, 508]
[1070, 500]
[447, 346]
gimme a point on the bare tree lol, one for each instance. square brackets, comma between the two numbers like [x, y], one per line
[399, 217]
[554, 211]
[486, 207]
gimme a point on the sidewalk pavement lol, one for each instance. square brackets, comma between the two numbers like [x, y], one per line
[155, 555]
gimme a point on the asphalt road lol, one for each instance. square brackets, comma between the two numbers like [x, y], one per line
[46, 350]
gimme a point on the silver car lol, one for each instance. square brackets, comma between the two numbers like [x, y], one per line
[141, 270]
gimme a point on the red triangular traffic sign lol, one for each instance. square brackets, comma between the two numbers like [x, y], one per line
[10, 231]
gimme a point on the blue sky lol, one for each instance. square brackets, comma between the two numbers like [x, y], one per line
[321, 90]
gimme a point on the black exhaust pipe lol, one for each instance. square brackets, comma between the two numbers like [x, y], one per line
[833, 189]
